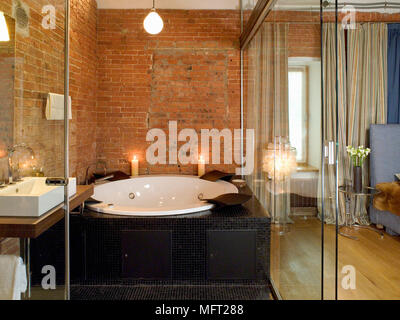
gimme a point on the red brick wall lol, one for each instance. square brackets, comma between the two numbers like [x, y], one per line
[39, 70]
[7, 62]
[39, 60]
[304, 32]
[189, 73]
[83, 85]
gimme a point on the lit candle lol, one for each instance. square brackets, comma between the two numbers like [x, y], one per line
[201, 170]
[135, 167]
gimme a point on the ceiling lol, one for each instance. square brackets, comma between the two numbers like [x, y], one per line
[169, 4]
[231, 4]
[304, 4]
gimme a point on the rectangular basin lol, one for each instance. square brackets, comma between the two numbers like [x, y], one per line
[30, 198]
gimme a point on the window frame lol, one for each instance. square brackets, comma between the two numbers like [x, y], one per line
[304, 69]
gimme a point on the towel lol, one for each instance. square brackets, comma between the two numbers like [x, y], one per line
[13, 279]
[55, 107]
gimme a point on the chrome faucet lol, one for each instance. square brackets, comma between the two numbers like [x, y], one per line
[11, 151]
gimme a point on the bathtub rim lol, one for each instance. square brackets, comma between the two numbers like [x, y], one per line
[157, 214]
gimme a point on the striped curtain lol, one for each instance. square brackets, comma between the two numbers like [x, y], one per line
[362, 101]
[331, 57]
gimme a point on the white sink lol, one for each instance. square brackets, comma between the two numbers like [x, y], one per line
[30, 198]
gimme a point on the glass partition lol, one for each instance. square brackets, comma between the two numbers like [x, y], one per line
[32, 138]
[321, 92]
[283, 103]
[366, 37]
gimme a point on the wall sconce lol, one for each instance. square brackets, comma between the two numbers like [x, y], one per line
[153, 23]
[4, 35]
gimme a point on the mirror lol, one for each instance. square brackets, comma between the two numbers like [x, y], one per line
[7, 67]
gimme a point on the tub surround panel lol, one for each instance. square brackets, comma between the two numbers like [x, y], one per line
[188, 252]
[146, 254]
[231, 254]
[98, 254]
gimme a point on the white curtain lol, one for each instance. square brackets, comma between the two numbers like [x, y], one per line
[266, 102]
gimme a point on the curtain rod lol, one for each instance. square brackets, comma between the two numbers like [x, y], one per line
[331, 5]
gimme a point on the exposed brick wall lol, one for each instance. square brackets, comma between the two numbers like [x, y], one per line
[189, 73]
[39, 60]
[7, 63]
[304, 32]
[39, 70]
[83, 85]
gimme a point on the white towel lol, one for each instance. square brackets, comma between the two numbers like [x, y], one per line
[13, 279]
[55, 107]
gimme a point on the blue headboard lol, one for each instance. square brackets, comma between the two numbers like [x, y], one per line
[385, 163]
[385, 155]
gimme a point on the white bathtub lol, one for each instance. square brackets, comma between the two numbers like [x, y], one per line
[158, 195]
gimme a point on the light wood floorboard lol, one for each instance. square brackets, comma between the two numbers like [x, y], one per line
[296, 262]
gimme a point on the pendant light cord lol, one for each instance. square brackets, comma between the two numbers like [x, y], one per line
[154, 5]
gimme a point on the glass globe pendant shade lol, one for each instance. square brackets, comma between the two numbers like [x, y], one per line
[4, 35]
[153, 23]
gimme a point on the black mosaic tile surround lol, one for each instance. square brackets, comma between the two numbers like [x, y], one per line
[96, 254]
[167, 292]
[102, 236]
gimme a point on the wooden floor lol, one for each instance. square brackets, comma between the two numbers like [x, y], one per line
[296, 262]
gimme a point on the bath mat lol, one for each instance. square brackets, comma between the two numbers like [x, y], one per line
[230, 199]
[217, 175]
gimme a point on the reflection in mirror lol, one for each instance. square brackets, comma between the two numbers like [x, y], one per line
[7, 67]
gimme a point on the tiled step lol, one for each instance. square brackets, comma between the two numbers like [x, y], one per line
[171, 292]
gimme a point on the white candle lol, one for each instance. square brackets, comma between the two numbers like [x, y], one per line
[201, 170]
[135, 167]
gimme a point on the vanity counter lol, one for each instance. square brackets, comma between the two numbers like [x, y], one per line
[28, 227]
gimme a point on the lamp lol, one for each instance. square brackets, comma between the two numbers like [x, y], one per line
[280, 160]
[279, 163]
[4, 35]
[153, 23]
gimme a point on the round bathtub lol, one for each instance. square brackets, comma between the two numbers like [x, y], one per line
[158, 195]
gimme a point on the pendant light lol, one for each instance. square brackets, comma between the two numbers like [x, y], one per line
[153, 23]
[4, 35]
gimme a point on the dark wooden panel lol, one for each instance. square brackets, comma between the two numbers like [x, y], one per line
[20, 227]
[231, 255]
[257, 17]
[146, 254]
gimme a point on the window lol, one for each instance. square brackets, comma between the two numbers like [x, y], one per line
[298, 111]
